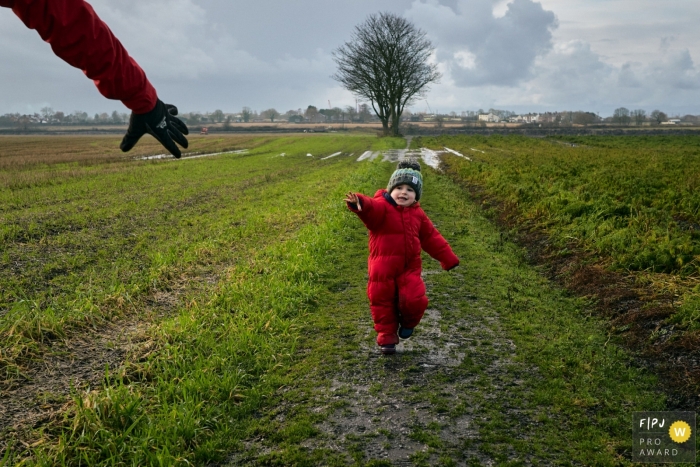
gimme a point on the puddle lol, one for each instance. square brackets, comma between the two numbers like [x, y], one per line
[192, 155]
[429, 157]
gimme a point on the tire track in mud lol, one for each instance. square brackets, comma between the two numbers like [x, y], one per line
[426, 405]
[45, 387]
[422, 404]
[78, 363]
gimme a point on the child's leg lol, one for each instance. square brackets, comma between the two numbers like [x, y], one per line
[412, 299]
[382, 300]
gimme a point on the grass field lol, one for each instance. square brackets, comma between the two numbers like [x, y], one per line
[237, 283]
[629, 204]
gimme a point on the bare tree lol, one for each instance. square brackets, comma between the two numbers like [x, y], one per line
[364, 113]
[351, 112]
[246, 113]
[639, 116]
[622, 116]
[217, 116]
[47, 113]
[272, 114]
[658, 116]
[386, 62]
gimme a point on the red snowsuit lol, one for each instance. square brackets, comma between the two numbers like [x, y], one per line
[396, 235]
[78, 36]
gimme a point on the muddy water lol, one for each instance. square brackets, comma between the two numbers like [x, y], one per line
[429, 157]
[426, 401]
[398, 407]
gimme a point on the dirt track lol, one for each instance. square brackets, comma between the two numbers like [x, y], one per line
[505, 369]
[459, 392]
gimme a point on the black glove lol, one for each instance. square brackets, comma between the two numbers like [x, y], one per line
[162, 124]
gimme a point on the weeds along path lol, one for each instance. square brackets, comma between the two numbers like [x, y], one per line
[505, 369]
[273, 362]
[183, 232]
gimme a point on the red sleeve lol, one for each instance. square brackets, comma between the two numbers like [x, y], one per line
[79, 37]
[372, 213]
[435, 244]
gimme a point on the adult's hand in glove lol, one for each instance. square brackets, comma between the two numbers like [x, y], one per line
[162, 124]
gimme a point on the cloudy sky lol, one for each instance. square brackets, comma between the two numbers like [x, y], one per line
[521, 55]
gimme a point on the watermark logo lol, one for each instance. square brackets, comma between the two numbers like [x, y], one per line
[663, 437]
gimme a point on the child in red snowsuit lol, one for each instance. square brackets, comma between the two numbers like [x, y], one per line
[398, 229]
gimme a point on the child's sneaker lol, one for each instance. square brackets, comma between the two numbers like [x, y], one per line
[388, 349]
[405, 333]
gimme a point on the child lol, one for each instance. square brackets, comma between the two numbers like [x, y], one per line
[398, 229]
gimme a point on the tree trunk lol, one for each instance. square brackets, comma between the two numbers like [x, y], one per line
[395, 117]
[385, 127]
[395, 127]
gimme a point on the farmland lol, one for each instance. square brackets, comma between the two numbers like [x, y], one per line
[161, 312]
[616, 211]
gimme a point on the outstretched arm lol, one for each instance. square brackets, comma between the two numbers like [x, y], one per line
[370, 211]
[79, 37]
[436, 246]
[353, 200]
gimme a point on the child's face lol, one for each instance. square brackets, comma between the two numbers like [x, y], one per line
[404, 195]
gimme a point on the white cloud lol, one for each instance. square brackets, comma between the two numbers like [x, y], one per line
[627, 77]
[676, 71]
[173, 39]
[480, 48]
[525, 55]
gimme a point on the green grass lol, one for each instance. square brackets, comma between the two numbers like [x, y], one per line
[249, 362]
[631, 202]
[150, 227]
[86, 249]
[573, 392]
[633, 198]
[575, 400]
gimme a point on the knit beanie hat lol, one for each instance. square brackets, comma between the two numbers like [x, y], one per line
[407, 173]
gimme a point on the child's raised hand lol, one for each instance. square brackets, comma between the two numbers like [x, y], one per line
[351, 197]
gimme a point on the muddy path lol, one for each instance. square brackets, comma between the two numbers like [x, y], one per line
[80, 363]
[506, 368]
[423, 405]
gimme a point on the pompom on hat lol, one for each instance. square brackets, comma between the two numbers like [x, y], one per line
[407, 173]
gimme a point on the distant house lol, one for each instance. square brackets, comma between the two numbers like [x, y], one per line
[490, 118]
[529, 118]
[672, 121]
[317, 118]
